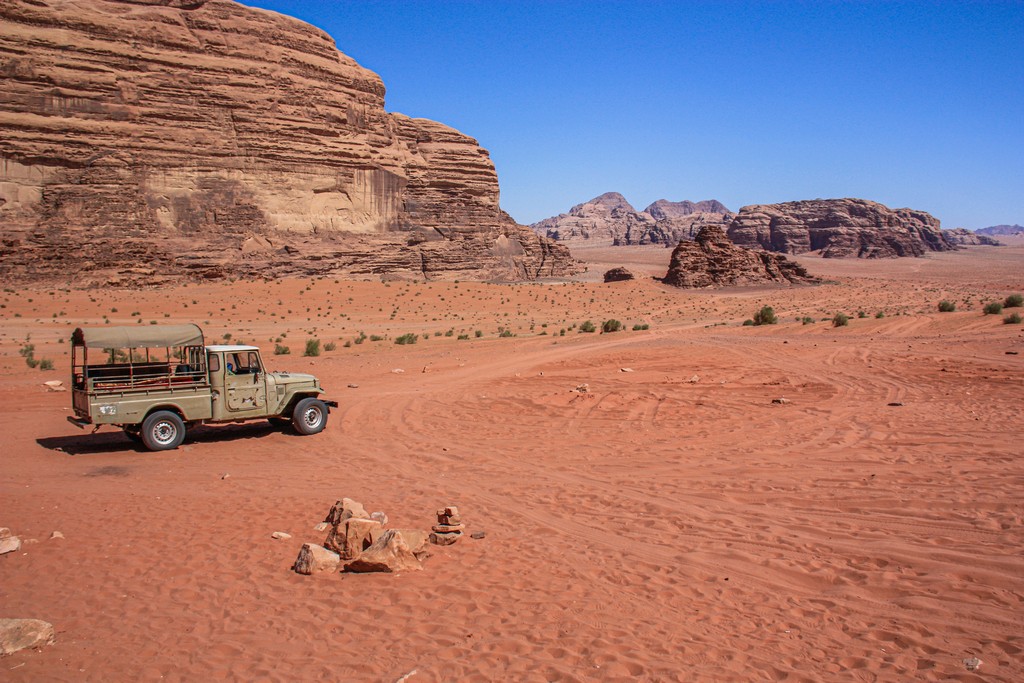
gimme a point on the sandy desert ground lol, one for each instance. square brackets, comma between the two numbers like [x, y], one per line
[673, 523]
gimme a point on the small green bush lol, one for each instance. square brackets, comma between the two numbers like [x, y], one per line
[407, 338]
[862, 314]
[807, 320]
[611, 326]
[993, 308]
[330, 346]
[748, 323]
[641, 326]
[312, 347]
[1012, 319]
[506, 333]
[840, 320]
[588, 326]
[766, 316]
[47, 364]
[281, 350]
[1014, 301]
[478, 333]
[880, 314]
[946, 306]
[376, 337]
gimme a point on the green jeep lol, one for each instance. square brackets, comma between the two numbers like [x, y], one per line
[155, 381]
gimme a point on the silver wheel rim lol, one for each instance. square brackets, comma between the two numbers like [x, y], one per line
[312, 417]
[164, 433]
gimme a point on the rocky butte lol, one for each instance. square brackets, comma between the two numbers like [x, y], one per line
[146, 141]
[611, 220]
[711, 260]
[838, 228]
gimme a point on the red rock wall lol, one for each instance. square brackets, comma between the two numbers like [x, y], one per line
[157, 137]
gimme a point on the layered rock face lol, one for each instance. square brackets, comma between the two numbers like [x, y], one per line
[611, 220]
[962, 237]
[148, 140]
[712, 260]
[838, 228]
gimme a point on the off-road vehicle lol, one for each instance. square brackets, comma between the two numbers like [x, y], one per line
[154, 382]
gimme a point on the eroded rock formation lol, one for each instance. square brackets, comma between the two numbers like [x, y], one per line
[711, 260]
[611, 220]
[145, 140]
[962, 237]
[838, 228]
[1001, 230]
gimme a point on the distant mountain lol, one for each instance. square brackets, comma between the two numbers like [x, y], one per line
[610, 219]
[1001, 230]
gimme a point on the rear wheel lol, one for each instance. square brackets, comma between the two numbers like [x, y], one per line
[309, 416]
[162, 431]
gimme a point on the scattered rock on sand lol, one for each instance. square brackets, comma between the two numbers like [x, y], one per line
[625, 369]
[56, 534]
[344, 509]
[314, 559]
[55, 385]
[280, 535]
[18, 634]
[8, 542]
[478, 535]
[619, 274]
[582, 388]
[972, 663]
[390, 553]
[780, 400]
[353, 536]
[418, 541]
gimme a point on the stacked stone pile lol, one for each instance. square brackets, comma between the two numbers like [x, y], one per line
[357, 541]
[449, 527]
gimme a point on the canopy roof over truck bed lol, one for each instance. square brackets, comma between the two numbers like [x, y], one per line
[138, 337]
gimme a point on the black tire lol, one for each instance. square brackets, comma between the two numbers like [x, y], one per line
[133, 434]
[309, 416]
[162, 431]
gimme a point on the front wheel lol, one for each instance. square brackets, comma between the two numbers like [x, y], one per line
[309, 416]
[163, 431]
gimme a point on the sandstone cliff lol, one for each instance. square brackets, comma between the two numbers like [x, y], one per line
[711, 260]
[963, 237]
[158, 138]
[838, 228]
[611, 220]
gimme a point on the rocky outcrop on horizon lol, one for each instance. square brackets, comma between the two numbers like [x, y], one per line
[611, 220]
[838, 228]
[962, 237]
[712, 260]
[1001, 230]
[153, 140]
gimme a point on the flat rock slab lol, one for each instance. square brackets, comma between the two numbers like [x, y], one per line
[314, 559]
[9, 544]
[390, 553]
[18, 634]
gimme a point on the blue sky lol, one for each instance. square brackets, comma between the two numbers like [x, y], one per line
[917, 104]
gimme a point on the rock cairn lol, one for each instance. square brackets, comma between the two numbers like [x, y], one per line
[449, 527]
[357, 541]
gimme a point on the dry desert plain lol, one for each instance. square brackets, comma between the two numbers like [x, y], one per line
[672, 523]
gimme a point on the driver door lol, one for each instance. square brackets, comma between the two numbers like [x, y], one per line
[246, 387]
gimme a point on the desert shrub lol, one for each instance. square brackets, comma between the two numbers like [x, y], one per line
[862, 314]
[360, 339]
[587, 326]
[347, 344]
[611, 325]
[880, 314]
[407, 338]
[766, 316]
[993, 308]
[807, 320]
[1012, 319]
[506, 333]
[281, 350]
[478, 333]
[312, 347]
[31, 362]
[330, 346]
[376, 337]
[946, 306]
[27, 350]
[641, 326]
[47, 364]
[840, 320]
[748, 323]
[463, 337]
[1014, 301]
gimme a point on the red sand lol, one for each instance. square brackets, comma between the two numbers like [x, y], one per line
[656, 528]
